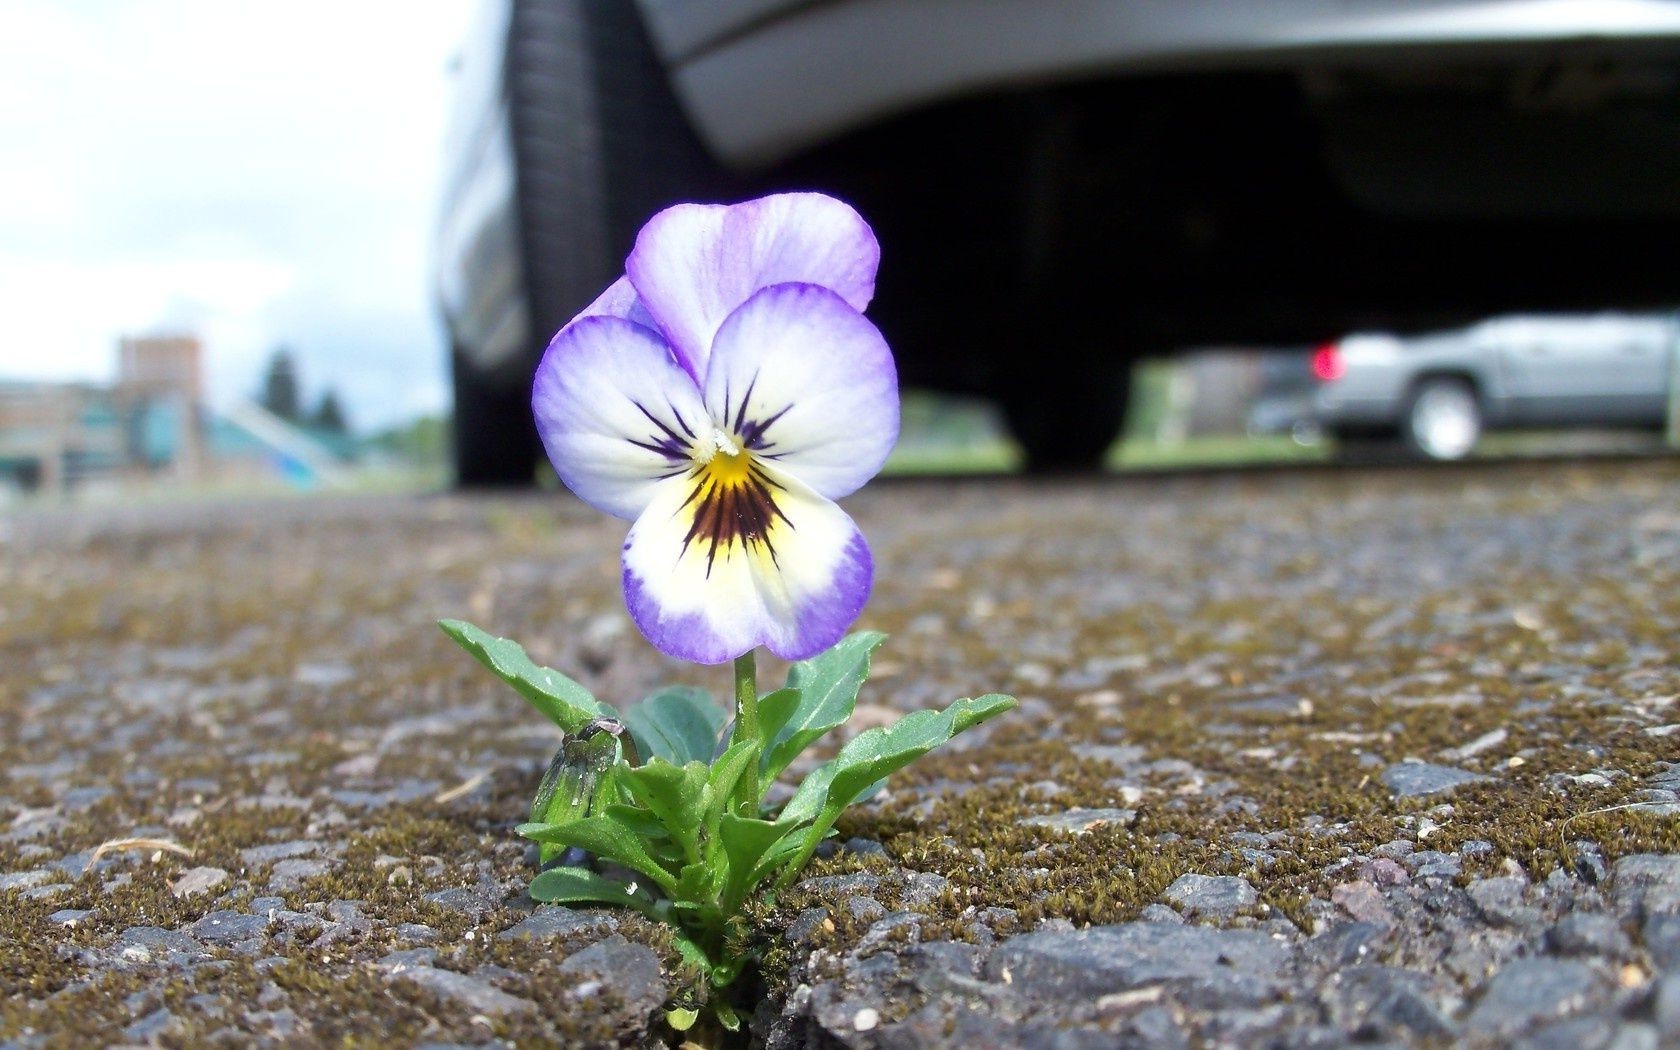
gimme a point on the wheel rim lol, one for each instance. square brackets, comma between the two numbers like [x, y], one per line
[1446, 421]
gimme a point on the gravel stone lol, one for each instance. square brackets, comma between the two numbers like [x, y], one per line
[1217, 896]
[1666, 1005]
[141, 945]
[1501, 901]
[1662, 940]
[1588, 934]
[1160, 913]
[467, 992]
[151, 1028]
[198, 880]
[1364, 902]
[630, 970]
[1432, 864]
[1079, 821]
[1646, 884]
[222, 927]
[1531, 990]
[259, 855]
[552, 920]
[291, 874]
[1232, 967]
[1416, 779]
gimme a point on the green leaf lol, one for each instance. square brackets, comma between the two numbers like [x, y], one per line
[676, 795]
[808, 801]
[561, 700]
[828, 685]
[681, 1019]
[720, 786]
[873, 755]
[575, 885]
[679, 724]
[606, 838]
[774, 710]
[746, 841]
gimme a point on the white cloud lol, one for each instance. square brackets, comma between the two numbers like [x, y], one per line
[264, 173]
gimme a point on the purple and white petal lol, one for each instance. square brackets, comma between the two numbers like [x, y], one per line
[693, 264]
[802, 379]
[713, 569]
[619, 300]
[616, 413]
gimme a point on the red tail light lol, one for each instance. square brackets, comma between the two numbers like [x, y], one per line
[1327, 363]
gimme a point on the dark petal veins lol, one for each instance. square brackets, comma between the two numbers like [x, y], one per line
[732, 507]
[670, 445]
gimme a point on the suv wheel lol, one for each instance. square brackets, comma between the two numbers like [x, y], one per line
[1443, 419]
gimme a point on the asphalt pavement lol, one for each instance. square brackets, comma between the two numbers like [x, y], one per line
[1303, 757]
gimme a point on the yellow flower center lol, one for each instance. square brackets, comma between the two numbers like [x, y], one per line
[732, 503]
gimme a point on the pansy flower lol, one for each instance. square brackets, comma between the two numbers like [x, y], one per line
[721, 395]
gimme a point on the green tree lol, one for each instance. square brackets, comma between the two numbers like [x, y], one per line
[280, 393]
[329, 415]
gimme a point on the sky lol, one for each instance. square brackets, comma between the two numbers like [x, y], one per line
[258, 174]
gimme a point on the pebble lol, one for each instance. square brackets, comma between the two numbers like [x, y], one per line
[1530, 990]
[1417, 779]
[198, 880]
[1646, 883]
[221, 927]
[1079, 821]
[291, 874]
[1364, 902]
[1501, 901]
[1588, 934]
[552, 920]
[631, 970]
[69, 917]
[1216, 896]
[468, 993]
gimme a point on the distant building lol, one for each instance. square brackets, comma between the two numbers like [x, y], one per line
[160, 387]
[54, 435]
[151, 425]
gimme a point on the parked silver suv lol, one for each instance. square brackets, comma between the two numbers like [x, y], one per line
[1439, 392]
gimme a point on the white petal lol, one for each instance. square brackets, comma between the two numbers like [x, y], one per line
[616, 412]
[807, 381]
[693, 264]
[794, 587]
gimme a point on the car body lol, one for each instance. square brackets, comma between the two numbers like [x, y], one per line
[1061, 189]
[1441, 390]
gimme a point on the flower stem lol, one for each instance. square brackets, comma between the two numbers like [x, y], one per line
[746, 728]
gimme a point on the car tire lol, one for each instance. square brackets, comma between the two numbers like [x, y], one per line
[1443, 419]
[600, 143]
[495, 439]
[1066, 426]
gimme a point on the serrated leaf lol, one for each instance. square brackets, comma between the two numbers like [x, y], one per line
[873, 755]
[561, 700]
[606, 838]
[828, 685]
[679, 724]
[576, 885]
[675, 795]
